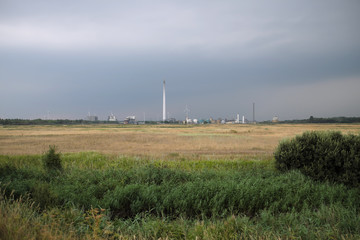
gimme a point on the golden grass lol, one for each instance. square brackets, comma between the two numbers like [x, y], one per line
[202, 141]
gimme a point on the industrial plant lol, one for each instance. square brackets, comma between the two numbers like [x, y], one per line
[92, 118]
[187, 120]
[164, 103]
[112, 118]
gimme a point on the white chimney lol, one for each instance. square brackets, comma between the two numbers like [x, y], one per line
[164, 103]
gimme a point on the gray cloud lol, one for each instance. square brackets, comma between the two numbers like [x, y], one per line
[217, 57]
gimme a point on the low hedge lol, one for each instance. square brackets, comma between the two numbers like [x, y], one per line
[326, 156]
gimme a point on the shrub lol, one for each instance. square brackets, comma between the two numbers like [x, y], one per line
[52, 160]
[42, 195]
[328, 156]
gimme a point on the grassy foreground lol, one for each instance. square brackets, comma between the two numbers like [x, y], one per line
[100, 196]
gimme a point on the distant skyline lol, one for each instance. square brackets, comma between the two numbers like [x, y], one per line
[63, 59]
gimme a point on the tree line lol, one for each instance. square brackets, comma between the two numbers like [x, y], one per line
[312, 119]
[45, 122]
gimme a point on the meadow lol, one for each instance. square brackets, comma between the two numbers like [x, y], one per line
[166, 182]
[207, 141]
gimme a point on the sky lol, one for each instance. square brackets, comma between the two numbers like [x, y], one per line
[66, 59]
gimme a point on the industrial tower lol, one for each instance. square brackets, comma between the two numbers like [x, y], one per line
[164, 102]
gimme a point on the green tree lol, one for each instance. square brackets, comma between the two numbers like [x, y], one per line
[52, 160]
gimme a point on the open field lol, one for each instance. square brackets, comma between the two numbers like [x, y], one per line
[166, 182]
[195, 141]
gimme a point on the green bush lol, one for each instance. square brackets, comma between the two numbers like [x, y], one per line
[52, 160]
[329, 156]
[42, 195]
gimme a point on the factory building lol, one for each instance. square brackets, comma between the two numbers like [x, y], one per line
[112, 118]
[92, 118]
[130, 120]
[275, 119]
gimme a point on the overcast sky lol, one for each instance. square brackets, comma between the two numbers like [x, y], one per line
[294, 59]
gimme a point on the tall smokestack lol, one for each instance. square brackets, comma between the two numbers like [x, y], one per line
[164, 102]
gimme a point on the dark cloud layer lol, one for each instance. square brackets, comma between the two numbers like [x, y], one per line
[293, 59]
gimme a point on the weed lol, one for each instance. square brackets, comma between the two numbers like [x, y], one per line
[51, 160]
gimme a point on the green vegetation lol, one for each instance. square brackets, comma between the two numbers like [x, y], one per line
[52, 161]
[42, 122]
[312, 119]
[329, 156]
[98, 196]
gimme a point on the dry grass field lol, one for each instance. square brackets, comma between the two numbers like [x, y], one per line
[160, 141]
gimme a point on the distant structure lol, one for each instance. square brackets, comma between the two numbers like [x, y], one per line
[188, 120]
[112, 118]
[172, 120]
[164, 102]
[243, 120]
[187, 111]
[275, 119]
[92, 118]
[237, 118]
[130, 120]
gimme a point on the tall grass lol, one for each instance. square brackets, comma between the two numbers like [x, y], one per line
[20, 219]
[179, 199]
